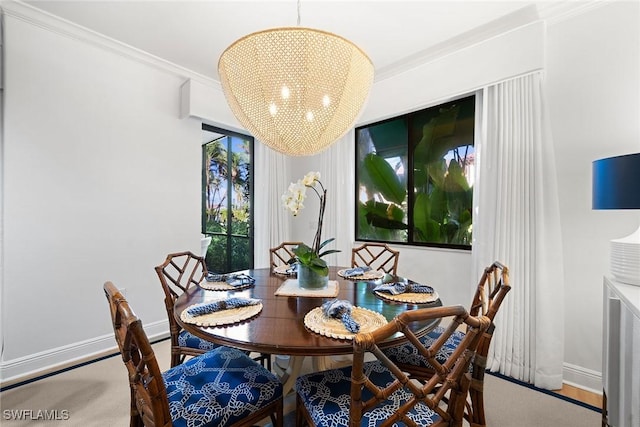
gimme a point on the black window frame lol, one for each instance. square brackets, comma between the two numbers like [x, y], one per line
[229, 253]
[407, 117]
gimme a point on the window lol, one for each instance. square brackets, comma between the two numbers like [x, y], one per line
[431, 152]
[227, 199]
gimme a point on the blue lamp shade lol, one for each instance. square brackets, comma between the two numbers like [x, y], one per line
[616, 182]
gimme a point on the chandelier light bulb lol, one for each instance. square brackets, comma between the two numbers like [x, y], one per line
[285, 92]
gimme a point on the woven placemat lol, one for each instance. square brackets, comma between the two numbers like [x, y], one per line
[409, 297]
[222, 317]
[282, 269]
[368, 275]
[291, 288]
[223, 286]
[368, 320]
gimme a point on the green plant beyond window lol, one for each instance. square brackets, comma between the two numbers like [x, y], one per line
[430, 152]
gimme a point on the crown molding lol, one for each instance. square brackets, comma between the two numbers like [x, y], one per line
[549, 11]
[39, 18]
[492, 29]
[554, 12]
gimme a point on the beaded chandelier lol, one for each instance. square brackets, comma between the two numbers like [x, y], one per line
[296, 89]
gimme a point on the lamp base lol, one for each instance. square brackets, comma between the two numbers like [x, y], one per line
[625, 259]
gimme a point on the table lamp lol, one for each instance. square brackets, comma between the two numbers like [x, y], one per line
[616, 185]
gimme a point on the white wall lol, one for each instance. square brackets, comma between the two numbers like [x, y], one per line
[593, 70]
[101, 180]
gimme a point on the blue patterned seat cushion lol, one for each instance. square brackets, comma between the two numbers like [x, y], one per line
[326, 396]
[407, 353]
[218, 388]
[187, 339]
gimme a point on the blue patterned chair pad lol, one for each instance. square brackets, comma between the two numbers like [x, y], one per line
[326, 396]
[407, 354]
[187, 339]
[218, 388]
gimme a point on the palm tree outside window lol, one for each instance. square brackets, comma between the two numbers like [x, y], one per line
[227, 199]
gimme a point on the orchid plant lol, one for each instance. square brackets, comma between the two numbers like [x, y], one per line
[293, 200]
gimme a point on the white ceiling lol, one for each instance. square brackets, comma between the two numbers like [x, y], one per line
[395, 34]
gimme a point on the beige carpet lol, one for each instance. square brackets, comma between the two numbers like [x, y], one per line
[97, 394]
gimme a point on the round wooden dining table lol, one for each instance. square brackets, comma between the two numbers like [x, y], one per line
[279, 327]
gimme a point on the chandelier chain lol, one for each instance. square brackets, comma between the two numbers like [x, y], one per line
[298, 13]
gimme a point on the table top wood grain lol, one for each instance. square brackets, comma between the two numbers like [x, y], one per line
[279, 328]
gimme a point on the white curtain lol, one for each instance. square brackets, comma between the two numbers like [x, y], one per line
[271, 221]
[336, 167]
[516, 221]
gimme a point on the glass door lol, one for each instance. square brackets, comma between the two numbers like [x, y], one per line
[227, 199]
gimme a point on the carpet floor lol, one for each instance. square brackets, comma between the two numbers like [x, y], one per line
[97, 394]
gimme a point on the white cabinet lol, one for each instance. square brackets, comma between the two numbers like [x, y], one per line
[621, 354]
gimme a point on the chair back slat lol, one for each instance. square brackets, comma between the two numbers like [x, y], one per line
[281, 254]
[444, 391]
[492, 288]
[179, 272]
[149, 402]
[378, 256]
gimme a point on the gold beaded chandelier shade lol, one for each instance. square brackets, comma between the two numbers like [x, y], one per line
[296, 89]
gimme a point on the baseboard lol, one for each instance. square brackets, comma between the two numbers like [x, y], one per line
[43, 363]
[583, 378]
[35, 365]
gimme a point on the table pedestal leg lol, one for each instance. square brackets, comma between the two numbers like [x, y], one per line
[289, 376]
[323, 363]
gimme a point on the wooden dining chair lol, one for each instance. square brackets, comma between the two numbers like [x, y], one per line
[379, 393]
[490, 293]
[223, 387]
[281, 254]
[177, 273]
[378, 256]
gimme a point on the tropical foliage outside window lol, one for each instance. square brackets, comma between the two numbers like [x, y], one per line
[227, 200]
[414, 177]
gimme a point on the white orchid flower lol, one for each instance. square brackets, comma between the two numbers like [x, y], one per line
[294, 197]
[310, 179]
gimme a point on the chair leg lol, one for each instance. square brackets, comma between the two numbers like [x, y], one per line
[300, 418]
[176, 357]
[277, 418]
[134, 418]
[477, 418]
[476, 393]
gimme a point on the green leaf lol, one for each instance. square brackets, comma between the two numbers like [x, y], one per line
[449, 230]
[330, 251]
[439, 206]
[384, 178]
[326, 242]
[436, 137]
[319, 266]
[421, 214]
[455, 180]
[437, 172]
[304, 253]
[384, 222]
